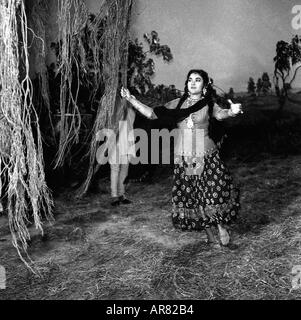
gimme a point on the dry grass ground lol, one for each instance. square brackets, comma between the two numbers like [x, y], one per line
[132, 252]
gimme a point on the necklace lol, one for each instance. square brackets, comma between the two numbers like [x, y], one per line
[193, 100]
[189, 121]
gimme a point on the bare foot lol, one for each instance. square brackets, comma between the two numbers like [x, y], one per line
[223, 235]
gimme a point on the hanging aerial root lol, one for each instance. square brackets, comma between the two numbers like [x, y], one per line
[21, 148]
[72, 17]
[115, 15]
[38, 17]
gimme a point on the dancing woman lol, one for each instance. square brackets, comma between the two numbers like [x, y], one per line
[203, 193]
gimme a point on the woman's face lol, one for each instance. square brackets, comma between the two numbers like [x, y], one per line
[195, 84]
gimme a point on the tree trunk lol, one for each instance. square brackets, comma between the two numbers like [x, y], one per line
[281, 104]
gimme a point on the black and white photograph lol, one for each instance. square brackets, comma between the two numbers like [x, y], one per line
[150, 150]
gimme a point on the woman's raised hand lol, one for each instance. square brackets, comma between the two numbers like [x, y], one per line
[236, 108]
[143, 109]
[125, 93]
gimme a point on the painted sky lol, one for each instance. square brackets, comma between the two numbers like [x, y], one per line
[231, 39]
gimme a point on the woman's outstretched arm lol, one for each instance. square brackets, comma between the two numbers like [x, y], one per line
[162, 114]
[221, 114]
[142, 108]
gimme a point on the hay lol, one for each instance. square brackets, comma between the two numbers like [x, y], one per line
[115, 16]
[133, 252]
[93, 53]
[38, 16]
[21, 146]
[72, 17]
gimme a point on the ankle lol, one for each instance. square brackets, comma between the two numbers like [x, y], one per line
[224, 236]
[210, 236]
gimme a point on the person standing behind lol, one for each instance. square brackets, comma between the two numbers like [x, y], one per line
[121, 149]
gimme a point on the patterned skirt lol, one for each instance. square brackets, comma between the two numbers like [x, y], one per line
[206, 199]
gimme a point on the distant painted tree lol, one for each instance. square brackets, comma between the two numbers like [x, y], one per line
[164, 93]
[259, 86]
[251, 86]
[266, 83]
[231, 93]
[287, 64]
[141, 67]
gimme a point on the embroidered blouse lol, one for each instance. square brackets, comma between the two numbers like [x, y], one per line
[192, 138]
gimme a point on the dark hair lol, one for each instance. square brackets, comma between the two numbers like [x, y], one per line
[215, 129]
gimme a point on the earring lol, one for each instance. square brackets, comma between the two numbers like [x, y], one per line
[204, 91]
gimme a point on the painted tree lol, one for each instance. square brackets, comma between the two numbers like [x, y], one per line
[266, 83]
[164, 93]
[231, 93]
[259, 86]
[251, 86]
[140, 67]
[287, 64]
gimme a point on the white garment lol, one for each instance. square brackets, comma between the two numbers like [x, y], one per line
[121, 153]
[120, 147]
[119, 173]
[125, 144]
